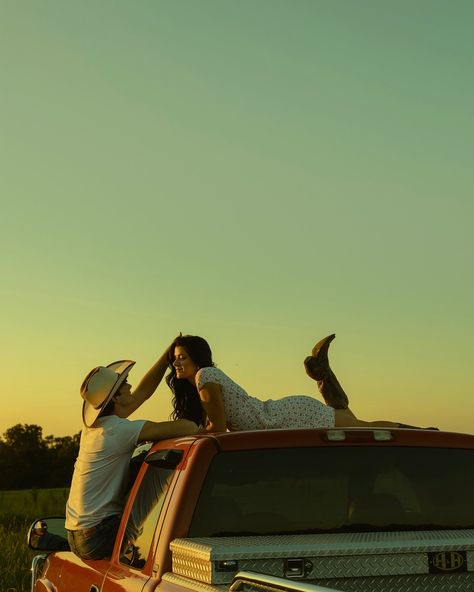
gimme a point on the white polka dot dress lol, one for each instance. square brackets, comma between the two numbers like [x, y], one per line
[244, 412]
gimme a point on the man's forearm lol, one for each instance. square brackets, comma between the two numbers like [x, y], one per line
[149, 383]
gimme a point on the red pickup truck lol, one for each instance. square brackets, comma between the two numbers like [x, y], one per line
[350, 510]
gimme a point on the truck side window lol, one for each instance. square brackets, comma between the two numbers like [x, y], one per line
[144, 516]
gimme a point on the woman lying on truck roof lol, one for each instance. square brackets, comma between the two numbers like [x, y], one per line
[207, 396]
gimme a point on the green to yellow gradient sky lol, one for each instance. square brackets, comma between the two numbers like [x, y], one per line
[259, 172]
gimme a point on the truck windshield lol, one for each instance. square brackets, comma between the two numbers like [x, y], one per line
[343, 489]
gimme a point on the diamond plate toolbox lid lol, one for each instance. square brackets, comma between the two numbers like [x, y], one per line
[314, 557]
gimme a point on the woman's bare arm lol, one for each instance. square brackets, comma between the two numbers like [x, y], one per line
[213, 404]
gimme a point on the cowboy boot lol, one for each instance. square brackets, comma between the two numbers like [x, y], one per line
[317, 367]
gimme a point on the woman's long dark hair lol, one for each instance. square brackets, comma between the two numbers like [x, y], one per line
[186, 401]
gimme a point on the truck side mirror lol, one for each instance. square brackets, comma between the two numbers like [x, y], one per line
[48, 534]
[165, 459]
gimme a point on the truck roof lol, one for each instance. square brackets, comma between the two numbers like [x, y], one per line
[244, 440]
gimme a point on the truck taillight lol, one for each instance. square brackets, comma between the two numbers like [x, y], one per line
[359, 435]
[336, 435]
[383, 435]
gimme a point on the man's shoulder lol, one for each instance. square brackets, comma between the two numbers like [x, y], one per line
[110, 420]
[113, 423]
[119, 431]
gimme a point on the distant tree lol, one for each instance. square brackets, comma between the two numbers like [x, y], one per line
[25, 457]
[24, 436]
[4, 466]
[29, 461]
[63, 453]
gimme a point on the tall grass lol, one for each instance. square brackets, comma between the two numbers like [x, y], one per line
[18, 509]
[33, 503]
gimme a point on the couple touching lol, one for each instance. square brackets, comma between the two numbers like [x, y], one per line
[204, 400]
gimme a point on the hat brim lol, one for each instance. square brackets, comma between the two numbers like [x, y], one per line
[89, 412]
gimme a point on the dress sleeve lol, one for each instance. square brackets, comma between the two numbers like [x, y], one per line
[208, 374]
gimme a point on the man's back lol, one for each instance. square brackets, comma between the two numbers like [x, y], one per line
[101, 471]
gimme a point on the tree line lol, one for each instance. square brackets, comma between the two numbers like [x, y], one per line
[27, 460]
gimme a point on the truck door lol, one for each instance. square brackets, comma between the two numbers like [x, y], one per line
[75, 574]
[132, 564]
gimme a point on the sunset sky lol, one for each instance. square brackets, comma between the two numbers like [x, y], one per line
[258, 172]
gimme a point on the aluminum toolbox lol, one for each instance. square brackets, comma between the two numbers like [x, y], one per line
[440, 560]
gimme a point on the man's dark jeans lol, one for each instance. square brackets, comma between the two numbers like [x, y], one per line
[96, 542]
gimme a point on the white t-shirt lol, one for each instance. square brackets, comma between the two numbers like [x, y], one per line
[101, 471]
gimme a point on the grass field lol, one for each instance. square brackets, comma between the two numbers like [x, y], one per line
[18, 509]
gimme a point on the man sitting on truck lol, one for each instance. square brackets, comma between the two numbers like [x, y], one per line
[108, 439]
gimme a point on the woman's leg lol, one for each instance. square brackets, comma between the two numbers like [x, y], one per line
[344, 418]
[317, 368]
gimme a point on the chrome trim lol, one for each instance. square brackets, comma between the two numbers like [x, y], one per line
[35, 568]
[273, 584]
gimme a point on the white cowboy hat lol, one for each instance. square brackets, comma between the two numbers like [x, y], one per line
[100, 385]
